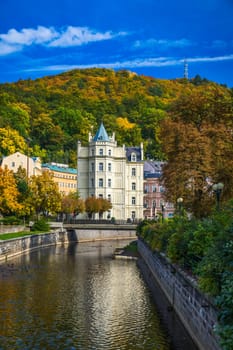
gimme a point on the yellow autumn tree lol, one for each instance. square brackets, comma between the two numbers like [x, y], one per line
[123, 123]
[44, 194]
[11, 142]
[9, 193]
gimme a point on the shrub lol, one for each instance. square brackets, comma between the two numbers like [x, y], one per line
[11, 220]
[41, 225]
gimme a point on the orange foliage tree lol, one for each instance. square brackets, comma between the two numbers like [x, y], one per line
[9, 193]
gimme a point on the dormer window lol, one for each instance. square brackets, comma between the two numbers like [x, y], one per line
[133, 157]
[101, 152]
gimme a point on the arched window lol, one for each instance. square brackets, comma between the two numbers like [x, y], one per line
[133, 157]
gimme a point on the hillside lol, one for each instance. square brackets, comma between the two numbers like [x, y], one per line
[53, 112]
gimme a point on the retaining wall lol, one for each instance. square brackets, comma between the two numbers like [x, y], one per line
[12, 247]
[195, 310]
[16, 246]
[90, 232]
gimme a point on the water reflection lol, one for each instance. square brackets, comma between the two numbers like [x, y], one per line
[77, 297]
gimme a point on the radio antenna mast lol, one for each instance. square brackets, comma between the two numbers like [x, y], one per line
[186, 73]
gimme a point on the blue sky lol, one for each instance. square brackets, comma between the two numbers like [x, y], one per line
[150, 37]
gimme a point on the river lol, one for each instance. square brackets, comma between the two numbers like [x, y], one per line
[79, 297]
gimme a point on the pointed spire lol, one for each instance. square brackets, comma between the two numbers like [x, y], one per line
[101, 134]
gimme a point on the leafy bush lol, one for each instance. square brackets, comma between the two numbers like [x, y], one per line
[204, 247]
[225, 318]
[41, 225]
[11, 220]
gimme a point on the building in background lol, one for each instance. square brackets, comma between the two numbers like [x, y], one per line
[65, 177]
[155, 205]
[106, 170]
[32, 165]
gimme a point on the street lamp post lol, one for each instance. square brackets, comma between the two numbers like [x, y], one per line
[179, 202]
[162, 208]
[217, 188]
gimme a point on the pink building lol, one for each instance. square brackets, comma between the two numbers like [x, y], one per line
[155, 205]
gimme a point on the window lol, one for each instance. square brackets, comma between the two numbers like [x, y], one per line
[153, 188]
[133, 171]
[92, 182]
[13, 164]
[109, 167]
[92, 167]
[133, 157]
[109, 152]
[92, 152]
[101, 166]
[109, 197]
[101, 182]
[101, 151]
[109, 182]
[133, 186]
[100, 196]
[133, 215]
[133, 200]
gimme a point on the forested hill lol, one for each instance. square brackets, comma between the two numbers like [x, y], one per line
[50, 114]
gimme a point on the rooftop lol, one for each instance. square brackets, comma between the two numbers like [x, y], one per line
[101, 134]
[61, 169]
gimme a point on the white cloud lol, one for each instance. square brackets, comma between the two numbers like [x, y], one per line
[29, 36]
[76, 36]
[6, 49]
[14, 40]
[163, 43]
[219, 44]
[136, 63]
[211, 59]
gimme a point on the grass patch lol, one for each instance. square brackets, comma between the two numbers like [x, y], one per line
[132, 247]
[6, 236]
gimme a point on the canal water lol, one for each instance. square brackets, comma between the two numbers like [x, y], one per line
[79, 297]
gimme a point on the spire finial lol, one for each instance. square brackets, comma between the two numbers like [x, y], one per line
[186, 75]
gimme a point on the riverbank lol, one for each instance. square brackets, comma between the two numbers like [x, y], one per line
[194, 309]
[16, 246]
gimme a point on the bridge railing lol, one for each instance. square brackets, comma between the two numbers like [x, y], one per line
[100, 222]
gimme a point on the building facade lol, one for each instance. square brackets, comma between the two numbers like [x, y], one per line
[32, 165]
[155, 205]
[106, 170]
[65, 177]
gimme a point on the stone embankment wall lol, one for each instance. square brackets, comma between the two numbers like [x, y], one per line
[194, 309]
[16, 246]
[12, 228]
[89, 232]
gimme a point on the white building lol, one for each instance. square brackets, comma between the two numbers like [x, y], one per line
[112, 172]
[32, 165]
